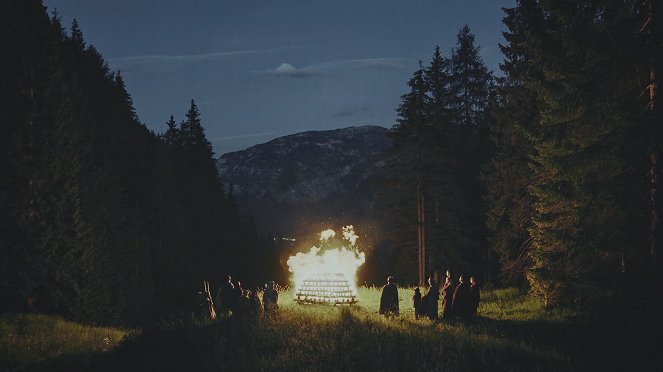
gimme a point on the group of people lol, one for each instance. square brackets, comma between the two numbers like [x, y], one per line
[233, 300]
[458, 300]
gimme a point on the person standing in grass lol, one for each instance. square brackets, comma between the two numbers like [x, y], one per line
[447, 297]
[237, 294]
[433, 295]
[270, 298]
[476, 296]
[254, 303]
[389, 298]
[417, 303]
[224, 297]
[462, 300]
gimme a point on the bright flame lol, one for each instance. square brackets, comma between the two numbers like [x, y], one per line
[322, 262]
[327, 234]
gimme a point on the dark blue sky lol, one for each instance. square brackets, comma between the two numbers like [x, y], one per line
[264, 69]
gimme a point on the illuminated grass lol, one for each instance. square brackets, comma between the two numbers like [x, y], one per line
[327, 337]
[513, 333]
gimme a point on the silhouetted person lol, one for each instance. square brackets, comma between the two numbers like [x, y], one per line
[451, 278]
[245, 305]
[255, 306]
[224, 296]
[202, 304]
[389, 298]
[433, 295]
[476, 296]
[462, 301]
[270, 298]
[417, 303]
[447, 297]
[237, 300]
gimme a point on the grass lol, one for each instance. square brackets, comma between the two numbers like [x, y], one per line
[513, 333]
[34, 339]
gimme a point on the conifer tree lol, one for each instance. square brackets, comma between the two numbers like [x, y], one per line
[471, 82]
[442, 166]
[172, 135]
[193, 135]
[471, 90]
[508, 174]
[403, 178]
[585, 179]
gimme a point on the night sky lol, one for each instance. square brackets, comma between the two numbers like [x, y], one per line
[264, 69]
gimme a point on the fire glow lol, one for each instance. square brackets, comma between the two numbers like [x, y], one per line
[328, 273]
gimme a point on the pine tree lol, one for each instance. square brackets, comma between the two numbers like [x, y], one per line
[172, 135]
[471, 91]
[193, 135]
[586, 206]
[508, 174]
[404, 179]
[442, 166]
[76, 36]
[471, 82]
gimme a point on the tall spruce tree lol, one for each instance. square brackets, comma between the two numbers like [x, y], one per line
[404, 179]
[471, 90]
[470, 83]
[585, 167]
[446, 209]
[508, 174]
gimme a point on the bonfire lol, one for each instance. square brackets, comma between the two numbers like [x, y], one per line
[328, 273]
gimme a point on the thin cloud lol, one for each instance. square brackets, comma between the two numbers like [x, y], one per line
[163, 58]
[288, 70]
[325, 68]
[384, 64]
[370, 63]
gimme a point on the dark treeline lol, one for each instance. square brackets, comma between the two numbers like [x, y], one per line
[433, 170]
[564, 147]
[101, 219]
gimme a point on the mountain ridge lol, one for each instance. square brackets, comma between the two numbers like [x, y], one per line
[307, 178]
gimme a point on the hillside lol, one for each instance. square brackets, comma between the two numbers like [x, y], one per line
[295, 183]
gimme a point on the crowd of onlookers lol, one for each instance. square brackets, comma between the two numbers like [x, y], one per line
[233, 300]
[459, 300]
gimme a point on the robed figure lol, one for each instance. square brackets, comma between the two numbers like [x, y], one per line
[476, 295]
[432, 295]
[270, 299]
[462, 302]
[447, 298]
[225, 296]
[417, 303]
[389, 298]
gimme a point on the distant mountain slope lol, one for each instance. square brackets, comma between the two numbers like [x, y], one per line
[298, 182]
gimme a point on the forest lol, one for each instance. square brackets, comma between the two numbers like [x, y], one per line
[542, 176]
[100, 216]
[545, 175]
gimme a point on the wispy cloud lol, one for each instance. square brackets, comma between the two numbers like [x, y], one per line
[203, 57]
[370, 63]
[384, 63]
[286, 69]
[250, 135]
[327, 68]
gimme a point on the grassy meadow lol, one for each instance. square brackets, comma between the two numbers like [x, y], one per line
[34, 339]
[512, 333]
